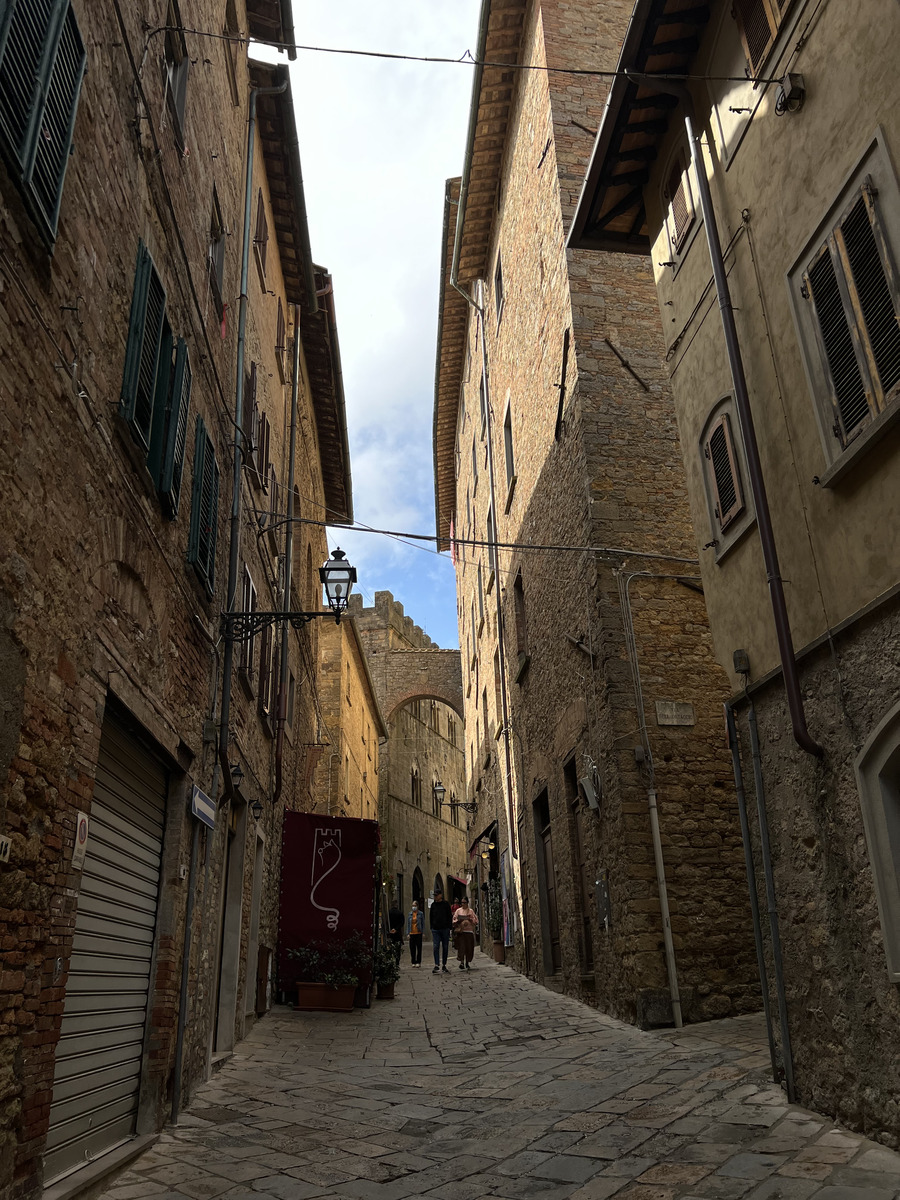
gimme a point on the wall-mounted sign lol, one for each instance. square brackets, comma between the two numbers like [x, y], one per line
[81, 841]
[674, 712]
[203, 808]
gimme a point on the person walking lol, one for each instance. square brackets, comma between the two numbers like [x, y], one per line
[415, 928]
[441, 918]
[465, 922]
[395, 925]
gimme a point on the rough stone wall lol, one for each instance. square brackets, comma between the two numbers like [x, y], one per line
[843, 1010]
[413, 680]
[96, 598]
[612, 477]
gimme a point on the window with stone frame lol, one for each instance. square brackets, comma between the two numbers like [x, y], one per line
[759, 22]
[231, 41]
[204, 509]
[217, 254]
[261, 238]
[581, 868]
[520, 627]
[268, 677]
[729, 503]
[851, 285]
[42, 65]
[155, 395]
[498, 287]
[248, 645]
[281, 342]
[723, 473]
[878, 780]
[177, 66]
[679, 203]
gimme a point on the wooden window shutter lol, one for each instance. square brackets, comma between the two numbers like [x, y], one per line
[148, 304]
[724, 476]
[204, 508]
[758, 22]
[251, 420]
[873, 290]
[42, 64]
[176, 431]
[681, 205]
[265, 669]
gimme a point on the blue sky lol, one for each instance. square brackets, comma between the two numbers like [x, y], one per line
[378, 139]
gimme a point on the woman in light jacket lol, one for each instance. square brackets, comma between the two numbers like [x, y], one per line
[415, 927]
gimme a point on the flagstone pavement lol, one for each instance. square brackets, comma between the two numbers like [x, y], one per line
[487, 1084]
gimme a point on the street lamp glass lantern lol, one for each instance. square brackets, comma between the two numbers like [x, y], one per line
[439, 792]
[338, 578]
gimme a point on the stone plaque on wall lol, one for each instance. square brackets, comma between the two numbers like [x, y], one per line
[674, 712]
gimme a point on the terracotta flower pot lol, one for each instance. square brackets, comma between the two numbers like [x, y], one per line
[319, 997]
[384, 991]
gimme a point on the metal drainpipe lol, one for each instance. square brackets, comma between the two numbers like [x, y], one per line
[495, 566]
[802, 736]
[766, 852]
[658, 858]
[751, 881]
[288, 560]
[235, 535]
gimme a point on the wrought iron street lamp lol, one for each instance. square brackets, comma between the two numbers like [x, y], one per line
[440, 792]
[338, 578]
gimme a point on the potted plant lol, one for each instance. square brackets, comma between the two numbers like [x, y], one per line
[327, 973]
[387, 971]
[495, 919]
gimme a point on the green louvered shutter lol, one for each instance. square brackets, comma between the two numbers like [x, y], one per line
[176, 431]
[148, 305]
[204, 508]
[42, 64]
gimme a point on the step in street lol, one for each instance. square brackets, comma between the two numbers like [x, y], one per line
[484, 1083]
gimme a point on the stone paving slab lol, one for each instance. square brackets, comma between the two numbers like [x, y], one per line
[491, 1085]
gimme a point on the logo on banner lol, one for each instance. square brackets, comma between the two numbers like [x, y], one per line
[326, 857]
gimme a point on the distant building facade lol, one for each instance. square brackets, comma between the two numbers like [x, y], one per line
[810, 239]
[418, 687]
[346, 780]
[138, 914]
[594, 749]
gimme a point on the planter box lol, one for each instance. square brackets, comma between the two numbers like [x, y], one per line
[319, 997]
[385, 991]
[499, 952]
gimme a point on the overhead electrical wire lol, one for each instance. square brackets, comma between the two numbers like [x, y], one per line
[466, 59]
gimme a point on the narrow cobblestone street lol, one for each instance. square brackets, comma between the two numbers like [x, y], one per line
[486, 1084]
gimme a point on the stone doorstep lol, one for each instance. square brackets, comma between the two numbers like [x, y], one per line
[87, 1181]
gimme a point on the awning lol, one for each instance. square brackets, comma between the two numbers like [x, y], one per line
[484, 834]
[456, 879]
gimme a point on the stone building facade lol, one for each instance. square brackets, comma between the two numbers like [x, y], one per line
[810, 243]
[418, 688]
[136, 936]
[346, 779]
[593, 700]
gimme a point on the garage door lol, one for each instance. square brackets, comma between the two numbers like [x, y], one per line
[98, 1059]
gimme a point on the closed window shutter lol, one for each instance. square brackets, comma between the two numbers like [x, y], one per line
[870, 275]
[148, 305]
[176, 431]
[204, 508]
[265, 669]
[849, 389]
[57, 122]
[719, 450]
[758, 23]
[42, 62]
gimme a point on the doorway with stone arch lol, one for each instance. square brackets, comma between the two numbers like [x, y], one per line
[438, 885]
[418, 887]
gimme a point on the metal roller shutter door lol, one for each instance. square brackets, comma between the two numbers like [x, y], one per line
[98, 1059]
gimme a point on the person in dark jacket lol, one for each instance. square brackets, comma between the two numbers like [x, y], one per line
[396, 926]
[441, 919]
